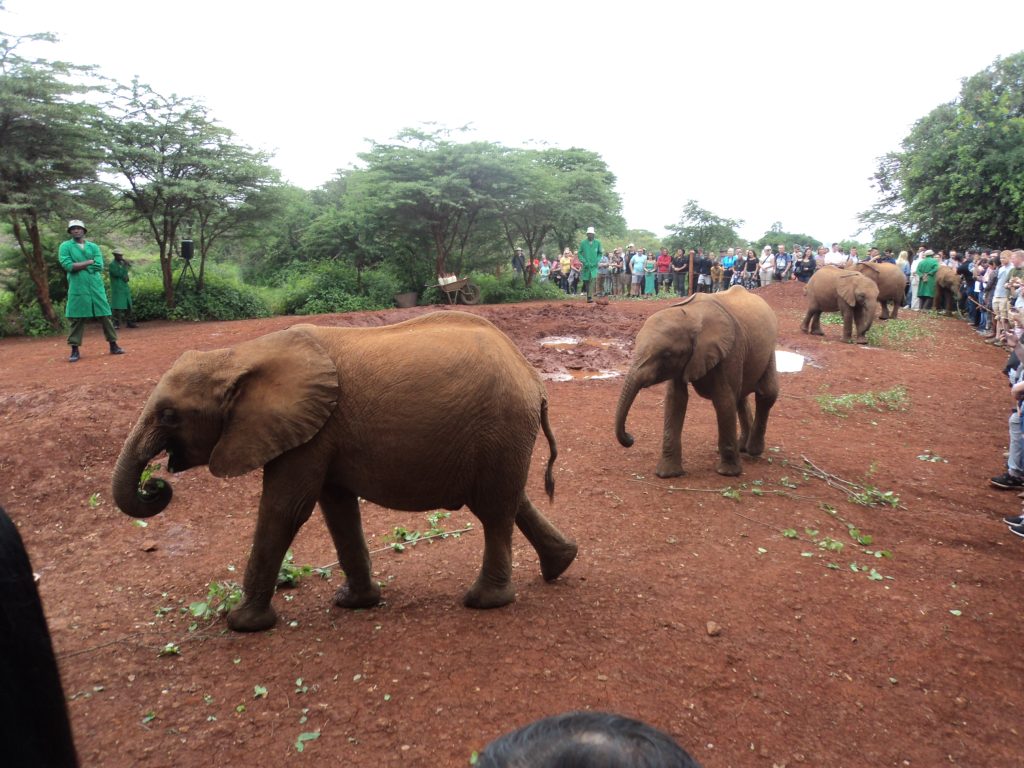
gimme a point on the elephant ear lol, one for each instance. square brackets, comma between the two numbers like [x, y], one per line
[714, 338]
[846, 288]
[281, 391]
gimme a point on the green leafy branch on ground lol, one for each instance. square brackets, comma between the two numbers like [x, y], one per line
[400, 536]
[891, 333]
[895, 399]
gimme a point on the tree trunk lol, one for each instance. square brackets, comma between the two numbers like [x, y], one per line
[37, 269]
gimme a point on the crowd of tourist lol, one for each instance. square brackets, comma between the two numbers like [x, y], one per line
[633, 272]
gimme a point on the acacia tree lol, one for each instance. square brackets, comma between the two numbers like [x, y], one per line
[176, 168]
[48, 150]
[959, 176]
[430, 188]
[553, 195]
[700, 228]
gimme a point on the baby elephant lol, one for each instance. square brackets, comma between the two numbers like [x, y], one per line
[437, 412]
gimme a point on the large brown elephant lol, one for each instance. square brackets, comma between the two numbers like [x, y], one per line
[436, 412]
[833, 289]
[891, 282]
[947, 290]
[723, 344]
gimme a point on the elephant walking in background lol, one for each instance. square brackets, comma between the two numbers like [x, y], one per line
[834, 289]
[947, 290]
[437, 412]
[891, 282]
[723, 344]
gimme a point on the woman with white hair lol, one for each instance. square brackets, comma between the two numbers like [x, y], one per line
[767, 262]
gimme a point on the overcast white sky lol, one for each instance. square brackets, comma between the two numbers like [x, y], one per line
[761, 111]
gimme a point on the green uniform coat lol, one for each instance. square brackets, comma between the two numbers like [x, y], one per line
[926, 272]
[589, 255]
[86, 295]
[120, 295]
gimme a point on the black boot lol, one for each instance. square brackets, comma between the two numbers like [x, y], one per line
[114, 349]
[74, 354]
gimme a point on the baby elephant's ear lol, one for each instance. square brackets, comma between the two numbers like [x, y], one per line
[284, 392]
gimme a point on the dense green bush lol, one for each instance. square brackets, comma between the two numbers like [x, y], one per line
[314, 288]
[221, 299]
[26, 319]
[509, 288]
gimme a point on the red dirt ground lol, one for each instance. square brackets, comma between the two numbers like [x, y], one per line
[810, 665]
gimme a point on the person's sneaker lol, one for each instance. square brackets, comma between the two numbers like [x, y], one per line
[1014, 520]
[1008, 481]
[1017, 530]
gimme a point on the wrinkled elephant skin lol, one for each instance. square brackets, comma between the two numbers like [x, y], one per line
[723, 344]
[335, 415]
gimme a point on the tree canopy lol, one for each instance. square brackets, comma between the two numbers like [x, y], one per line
[48, 150]
[700, 228]
[958, 179]
[179, 172]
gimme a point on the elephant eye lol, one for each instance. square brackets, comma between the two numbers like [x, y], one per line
[168, 417]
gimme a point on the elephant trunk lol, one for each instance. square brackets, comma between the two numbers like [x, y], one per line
[629, 389]
[141, 446]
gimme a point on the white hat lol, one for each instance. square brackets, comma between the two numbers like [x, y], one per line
[76, 223]
[927, 253]
[590, 231]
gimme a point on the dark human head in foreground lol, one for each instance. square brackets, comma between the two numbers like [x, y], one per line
[34, 728]
[585, 740]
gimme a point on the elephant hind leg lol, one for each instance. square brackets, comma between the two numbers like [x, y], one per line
[765, 395]
[743, 410]
[556, 553]
[493, 586]
[341, 512]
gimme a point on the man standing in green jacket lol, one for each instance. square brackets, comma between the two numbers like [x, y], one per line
[589, 255]
[87, 298]
[120, 294]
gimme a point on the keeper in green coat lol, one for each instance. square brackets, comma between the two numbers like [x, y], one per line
[87, 297]
[589, 255]
[927, 267]
[120, 294]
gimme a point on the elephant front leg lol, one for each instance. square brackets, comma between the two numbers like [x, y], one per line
[848, 324]
[556, 553]
[863, 323]
[728, 454]
[282, 513]
[676, 398]
[885, 309]
[493, 586]
[344, 521]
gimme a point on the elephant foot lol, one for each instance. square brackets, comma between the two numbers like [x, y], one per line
[669, 468]
[252, 618]
[347, 597]
[489, 596]
[862, 339]
[817, 332]
[554, 561]
[729, 470]
[754, 447]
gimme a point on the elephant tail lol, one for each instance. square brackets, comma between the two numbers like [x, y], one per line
[549, 478]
